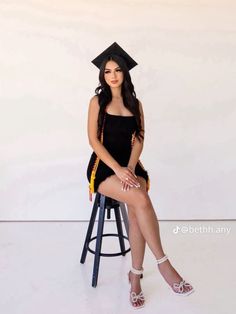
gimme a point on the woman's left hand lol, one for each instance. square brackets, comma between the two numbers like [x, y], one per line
[125, 185]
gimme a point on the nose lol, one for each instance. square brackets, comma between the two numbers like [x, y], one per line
[114, 75]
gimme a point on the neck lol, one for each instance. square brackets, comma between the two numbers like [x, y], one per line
[116, 92]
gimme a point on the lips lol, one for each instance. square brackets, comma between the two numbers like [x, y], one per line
[115, 81]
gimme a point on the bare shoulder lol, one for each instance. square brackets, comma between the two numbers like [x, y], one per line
[94, 105]
[94, 101]
[94, 98]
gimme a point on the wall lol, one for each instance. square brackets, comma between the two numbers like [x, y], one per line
[185, 79]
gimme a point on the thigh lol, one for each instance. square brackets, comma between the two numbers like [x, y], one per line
[112, 187]
[131, 208]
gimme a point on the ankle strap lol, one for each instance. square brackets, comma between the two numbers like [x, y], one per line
[136, 271]
[163, 259]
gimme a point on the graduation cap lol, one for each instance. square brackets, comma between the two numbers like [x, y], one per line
[114, 49]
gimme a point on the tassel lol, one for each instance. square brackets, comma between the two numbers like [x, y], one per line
[92, 179]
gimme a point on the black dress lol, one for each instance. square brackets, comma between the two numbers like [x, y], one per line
[117, 139]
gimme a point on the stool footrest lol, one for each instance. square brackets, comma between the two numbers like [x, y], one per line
[109, 254]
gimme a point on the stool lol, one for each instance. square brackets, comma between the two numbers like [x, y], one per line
[105, 203]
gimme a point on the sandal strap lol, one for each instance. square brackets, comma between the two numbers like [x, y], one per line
[136, 271]
[136, 297]
[163, 259]
[179, 287]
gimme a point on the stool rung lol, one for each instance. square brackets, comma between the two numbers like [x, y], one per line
[110, 254]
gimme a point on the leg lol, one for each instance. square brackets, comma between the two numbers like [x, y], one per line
[137, 245]
[136, 240]
[146, 219]
[138, 199]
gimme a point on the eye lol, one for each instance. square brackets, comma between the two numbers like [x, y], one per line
[118, 70]
[107, 71]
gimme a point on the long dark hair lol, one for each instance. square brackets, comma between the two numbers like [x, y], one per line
[130, 100]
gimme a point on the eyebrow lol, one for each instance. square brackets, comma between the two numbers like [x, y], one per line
[110, 69]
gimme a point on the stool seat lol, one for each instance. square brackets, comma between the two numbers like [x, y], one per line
[105, 204]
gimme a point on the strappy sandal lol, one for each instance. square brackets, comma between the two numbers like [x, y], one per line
[178, 288]
[134, 297]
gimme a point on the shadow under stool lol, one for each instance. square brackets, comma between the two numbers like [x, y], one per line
[103, 204]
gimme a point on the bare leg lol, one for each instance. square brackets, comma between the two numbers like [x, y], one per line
[137, 245]
[136, 240]
[146, 219]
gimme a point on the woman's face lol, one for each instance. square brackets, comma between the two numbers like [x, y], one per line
[113, 74]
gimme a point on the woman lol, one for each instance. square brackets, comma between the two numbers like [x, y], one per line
[116, 134]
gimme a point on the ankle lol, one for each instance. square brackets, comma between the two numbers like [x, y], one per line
[162, 259]
[137, 270]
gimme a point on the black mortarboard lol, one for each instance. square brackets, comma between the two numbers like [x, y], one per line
[116, 50]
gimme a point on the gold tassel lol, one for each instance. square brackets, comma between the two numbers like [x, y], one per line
[91, 185]
[92, 178]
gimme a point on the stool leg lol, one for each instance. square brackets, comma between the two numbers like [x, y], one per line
[90, 229]
[99, 241]
[119, 229]
[125, 217]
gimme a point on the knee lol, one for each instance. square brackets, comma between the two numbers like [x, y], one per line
[142, 200]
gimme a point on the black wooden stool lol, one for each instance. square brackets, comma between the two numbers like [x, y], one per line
[105, 203]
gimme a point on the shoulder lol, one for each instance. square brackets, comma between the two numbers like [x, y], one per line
[93, 103]
[94, 100]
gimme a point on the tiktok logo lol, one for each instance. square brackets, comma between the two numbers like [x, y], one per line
[176, 229]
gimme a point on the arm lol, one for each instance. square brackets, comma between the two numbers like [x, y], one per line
[94, 142]
[138, 146]
[100, 150]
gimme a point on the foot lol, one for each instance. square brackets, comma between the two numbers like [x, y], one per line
[172, 277]
[136, 295]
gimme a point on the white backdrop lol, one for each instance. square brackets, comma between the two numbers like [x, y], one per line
[186, 51]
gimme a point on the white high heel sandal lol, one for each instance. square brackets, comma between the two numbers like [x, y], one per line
[134, 297]
[178, 288]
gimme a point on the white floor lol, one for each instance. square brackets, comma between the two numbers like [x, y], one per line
[41, 270]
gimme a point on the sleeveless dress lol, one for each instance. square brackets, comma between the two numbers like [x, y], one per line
[118, 138]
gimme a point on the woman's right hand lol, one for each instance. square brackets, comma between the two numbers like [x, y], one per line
[127, 176]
